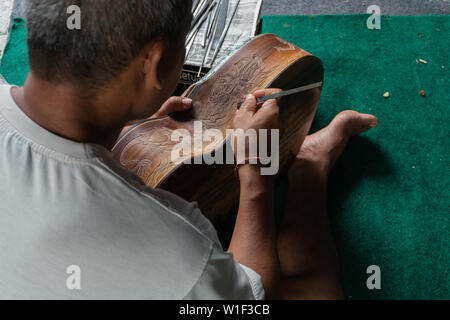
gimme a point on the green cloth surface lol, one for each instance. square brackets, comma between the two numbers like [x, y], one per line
[14, 65]
[389, 193]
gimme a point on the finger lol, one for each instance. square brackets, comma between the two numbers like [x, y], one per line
[266, 92]
[249, 104]
[271, 104]
[174, 104]
[270, 107]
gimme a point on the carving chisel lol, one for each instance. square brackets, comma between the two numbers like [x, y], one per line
[221, 21]
[190, 44]
[198, 25]
[194, 5]
[214, 20]
[225, 32]
[198, 15]
[286, 93]
[215, 27]
[208, 23]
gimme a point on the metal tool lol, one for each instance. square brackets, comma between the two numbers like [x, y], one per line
[214, 27]
[190, 44]
[200, 6]
[208, 23]
[214, 21]
[194, 5]
[201, 12]
[221, 21]
[225, 32]
[198, 25]
[286, 93]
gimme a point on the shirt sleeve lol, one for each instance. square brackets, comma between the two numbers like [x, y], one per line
[225, 279]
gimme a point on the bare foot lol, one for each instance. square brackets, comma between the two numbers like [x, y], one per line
[323, 148]
[308, 256]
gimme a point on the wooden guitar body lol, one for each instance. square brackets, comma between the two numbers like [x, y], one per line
[267, 61]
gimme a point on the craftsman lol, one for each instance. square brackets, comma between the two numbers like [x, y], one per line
[75, 225]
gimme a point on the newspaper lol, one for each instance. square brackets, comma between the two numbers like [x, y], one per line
[6, 7]
[243, 27]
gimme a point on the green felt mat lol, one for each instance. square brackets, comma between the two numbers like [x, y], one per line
[14, 65]
[389, 194]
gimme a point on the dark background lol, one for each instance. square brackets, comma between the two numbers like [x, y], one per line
[315, 7]
[388, 7]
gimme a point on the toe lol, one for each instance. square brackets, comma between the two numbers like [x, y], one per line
[322, 149]
[351, 123]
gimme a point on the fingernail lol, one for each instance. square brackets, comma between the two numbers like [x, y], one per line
[187, 101]
[374, 124]
[250, 97]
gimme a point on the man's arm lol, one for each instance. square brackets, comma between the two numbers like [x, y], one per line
[254, 238]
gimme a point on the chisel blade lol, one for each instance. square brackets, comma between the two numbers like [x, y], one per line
[221, 21]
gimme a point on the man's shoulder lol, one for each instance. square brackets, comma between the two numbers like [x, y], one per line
[107, 217]
[5, 90]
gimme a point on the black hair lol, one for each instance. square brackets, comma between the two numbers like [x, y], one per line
[111, 35]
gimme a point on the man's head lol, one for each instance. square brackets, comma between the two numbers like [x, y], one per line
[141, 41]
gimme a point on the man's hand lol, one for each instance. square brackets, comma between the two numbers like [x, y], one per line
[253, 243]
[249, 116]
[172, 105]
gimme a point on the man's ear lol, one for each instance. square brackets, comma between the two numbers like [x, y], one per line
[153, 55]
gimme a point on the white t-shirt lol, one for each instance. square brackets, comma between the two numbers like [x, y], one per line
[74, 225]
